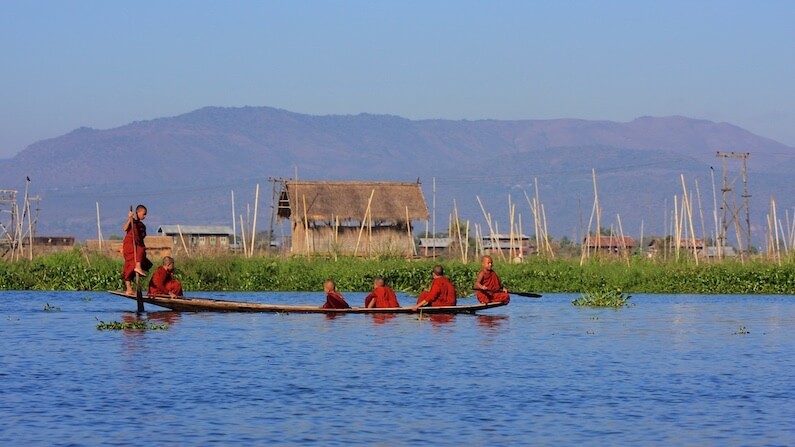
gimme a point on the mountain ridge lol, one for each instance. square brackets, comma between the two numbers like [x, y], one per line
[166, 161]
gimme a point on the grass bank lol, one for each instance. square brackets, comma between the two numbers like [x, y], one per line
[76, 270]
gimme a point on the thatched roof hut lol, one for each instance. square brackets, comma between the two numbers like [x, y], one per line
[351, 217]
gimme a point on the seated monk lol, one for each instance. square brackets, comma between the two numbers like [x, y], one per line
[163, 282]
[442, 291]
[333, 299]
[381, 296]
[488, 287]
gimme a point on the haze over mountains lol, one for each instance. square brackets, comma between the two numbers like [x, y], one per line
[185, 167]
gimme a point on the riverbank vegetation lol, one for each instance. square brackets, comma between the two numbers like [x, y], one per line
[80, 270]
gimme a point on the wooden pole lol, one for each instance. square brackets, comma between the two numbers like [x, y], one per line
[364, 221]
[306, 229]
[242, 237]
[234, 227]
[182, 238]
[413, 249]
[99, 229]
[254, 225]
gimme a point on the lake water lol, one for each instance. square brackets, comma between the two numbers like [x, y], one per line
[671, 370]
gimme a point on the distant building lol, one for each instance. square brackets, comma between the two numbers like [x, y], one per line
[516, 245]
[609, 244]
[351, 217]
[435, 246]
[198, 237]
[658, 247]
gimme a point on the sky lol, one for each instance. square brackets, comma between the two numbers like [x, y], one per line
[104, 64]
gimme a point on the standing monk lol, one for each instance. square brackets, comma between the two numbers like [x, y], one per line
[333, 299]
[133, 248]
[381, 296]
[163, 281]
[442, 291]
[488, 287]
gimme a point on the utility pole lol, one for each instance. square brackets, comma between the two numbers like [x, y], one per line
[730, 209]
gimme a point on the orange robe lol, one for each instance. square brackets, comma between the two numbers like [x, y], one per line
[335, 301]
[492, 282]
[442, 293]
[134, 250]
[383, 296]
[163, 283]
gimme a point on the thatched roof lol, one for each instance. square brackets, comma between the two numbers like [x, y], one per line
[327, 201]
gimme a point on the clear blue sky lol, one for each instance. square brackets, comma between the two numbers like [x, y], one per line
[103, 64]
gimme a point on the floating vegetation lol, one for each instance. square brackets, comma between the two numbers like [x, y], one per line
[742, 331]
[48, 308]
[137, 325]
[603, 298]
[86, 299]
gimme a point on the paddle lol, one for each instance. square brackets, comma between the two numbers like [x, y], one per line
[139, 296]
[524, 294]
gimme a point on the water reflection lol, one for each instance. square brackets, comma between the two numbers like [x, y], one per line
[382, 318]
[491, 323]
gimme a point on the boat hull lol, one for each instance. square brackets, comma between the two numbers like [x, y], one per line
[195, 304]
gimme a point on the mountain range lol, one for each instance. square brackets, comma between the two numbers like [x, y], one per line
[187, 168]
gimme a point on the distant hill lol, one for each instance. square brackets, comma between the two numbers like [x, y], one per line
[186, 167]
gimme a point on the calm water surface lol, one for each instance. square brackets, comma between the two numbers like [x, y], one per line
[672, 370]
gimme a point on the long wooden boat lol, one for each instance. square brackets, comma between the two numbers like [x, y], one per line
[194, 304]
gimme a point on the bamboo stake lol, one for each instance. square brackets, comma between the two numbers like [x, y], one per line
[585, 248]
[254, 226]
[546, 233]
[234, 228]
[623, 241]
[466, 251]
[182, 238]
[413, 251]
[689, 209]
[99, 229]
[364, 221]
[598, 210]
[492, 236]
[242, 237]
[458, 232]
[306, 228]
[700, 212]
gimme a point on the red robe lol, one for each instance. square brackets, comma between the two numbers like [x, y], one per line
[134, 250]
[492, 282]
[163, 283]
[383, 296]
[442, 293]
[335, 301]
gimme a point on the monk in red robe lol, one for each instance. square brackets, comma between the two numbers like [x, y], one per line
[333, 299]
[381, 296]
[133, 248]
[163, 281]
[442, 292]
[488, 288]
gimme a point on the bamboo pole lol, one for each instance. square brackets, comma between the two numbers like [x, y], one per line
[182, 238]
[364, 221]
[234, 228]
[254, 225]
[242, 237]
[623, 241]
[598, 210]
[99, 229]
[411, 237]
[458, 232]
[546, 233]
[306, 228]
[492, 235]
[689, 208]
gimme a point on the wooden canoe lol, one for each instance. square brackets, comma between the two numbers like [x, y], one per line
[192, 304]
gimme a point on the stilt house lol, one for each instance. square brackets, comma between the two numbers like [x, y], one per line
[352, 218]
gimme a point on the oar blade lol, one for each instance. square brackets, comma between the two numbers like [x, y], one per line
[526, 294]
